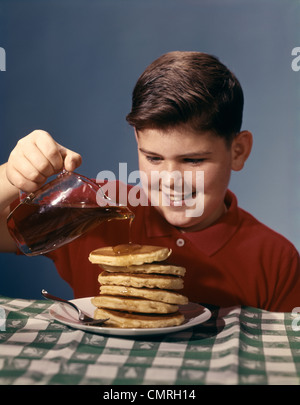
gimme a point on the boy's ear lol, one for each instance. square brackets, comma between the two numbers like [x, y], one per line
[241, 149]
[135, 134]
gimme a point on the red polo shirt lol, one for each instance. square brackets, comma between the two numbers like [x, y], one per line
[237, 260]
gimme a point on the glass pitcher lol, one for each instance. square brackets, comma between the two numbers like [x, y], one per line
[59, 212]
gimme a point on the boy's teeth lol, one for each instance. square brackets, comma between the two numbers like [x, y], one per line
[179, 198]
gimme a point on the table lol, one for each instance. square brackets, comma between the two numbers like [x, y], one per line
[236, 346]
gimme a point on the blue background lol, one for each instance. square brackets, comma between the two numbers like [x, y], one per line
[71, 66]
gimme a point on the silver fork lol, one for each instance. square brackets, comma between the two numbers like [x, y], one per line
[83, 318]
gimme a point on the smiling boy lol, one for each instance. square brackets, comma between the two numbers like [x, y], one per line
[187, 151]
[187, 114]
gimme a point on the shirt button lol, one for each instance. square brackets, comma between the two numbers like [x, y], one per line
[180, 242]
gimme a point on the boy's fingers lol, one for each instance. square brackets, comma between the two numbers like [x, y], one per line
[58, 156]
[21, 171]
[36, 157]
[37, 163]
[50, 160]
[19, 180]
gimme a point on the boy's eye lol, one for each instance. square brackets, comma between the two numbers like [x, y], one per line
[153, 159]
[193, 161]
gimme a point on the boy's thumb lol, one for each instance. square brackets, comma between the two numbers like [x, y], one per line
[71, 159]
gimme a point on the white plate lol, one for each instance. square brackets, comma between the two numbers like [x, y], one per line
[194, 315]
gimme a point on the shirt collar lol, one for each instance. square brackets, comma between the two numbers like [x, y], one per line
[208, 240]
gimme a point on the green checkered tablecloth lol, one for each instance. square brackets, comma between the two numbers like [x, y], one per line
[236, 346]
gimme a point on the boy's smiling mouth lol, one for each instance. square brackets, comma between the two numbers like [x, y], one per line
[172, 199]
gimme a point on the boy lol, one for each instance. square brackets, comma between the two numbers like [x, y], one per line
[187, 114]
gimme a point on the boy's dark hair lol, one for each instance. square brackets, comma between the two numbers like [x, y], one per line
[191, 88]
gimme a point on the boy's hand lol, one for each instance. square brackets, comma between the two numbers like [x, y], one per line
[35, 158]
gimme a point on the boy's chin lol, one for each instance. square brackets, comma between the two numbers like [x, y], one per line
[179, 219]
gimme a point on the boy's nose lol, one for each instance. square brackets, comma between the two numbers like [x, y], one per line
[170, 167]
[172, 179]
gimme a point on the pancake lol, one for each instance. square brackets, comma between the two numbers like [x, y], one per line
[132, 304]
[119, 319]
[170, 297]
[137, 288]
[147, 268]
[141, 280]
[128, 255]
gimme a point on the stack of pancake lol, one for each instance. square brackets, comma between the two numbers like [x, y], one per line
[137, 290]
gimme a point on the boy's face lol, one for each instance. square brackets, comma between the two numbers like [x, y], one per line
[181, 156]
